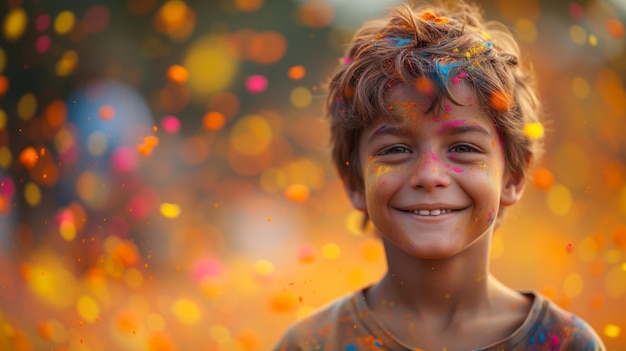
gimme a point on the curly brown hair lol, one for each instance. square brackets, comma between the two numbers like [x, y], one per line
[434, 46]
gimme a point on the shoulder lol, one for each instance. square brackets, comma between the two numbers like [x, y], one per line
[317, 330]
[549, 325]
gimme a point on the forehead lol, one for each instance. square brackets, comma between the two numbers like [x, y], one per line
[409, 103]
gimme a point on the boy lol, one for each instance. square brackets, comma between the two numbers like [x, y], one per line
[427, 120]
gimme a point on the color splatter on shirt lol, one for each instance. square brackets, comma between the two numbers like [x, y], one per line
[348, 324]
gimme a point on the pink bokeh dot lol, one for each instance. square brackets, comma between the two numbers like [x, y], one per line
[256, 83]
[124, 159]
[97, 19]
[43, 44]
[207, 268]
[42, 22]
[171, 124]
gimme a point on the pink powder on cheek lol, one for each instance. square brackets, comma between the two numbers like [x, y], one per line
[458, 169]
[491, 216]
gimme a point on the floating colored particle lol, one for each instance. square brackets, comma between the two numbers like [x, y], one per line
[580, 87]
[213, 120]
[186, 311]
[171, 124]
[559, 199]
[500, 101]
[42, 44]
[67, 230]
[619, 236]
[220, 334]
[543, 178]
[149, 143]
[3, 118]
[256, 84]
[88, 309]
[27, 106]
[612, 330]
[576, 10]
[3, 60]
[526, 30]
[615, 28]
[175, 19]
[248, 5]
[65, 66]
[106, 112]
[284, 301]
[263, 267]
[29, 157]
[211, 67]
[4, 85]
[96, 19]
[32, 194]
[64, 22]
[15, 24]
[42, 22]
[306, 253]
[53, 285]
[297, 192]
[300, 97]
[124, 251]
[177, 74]
[170, 210]
[593, 40]
[124, 159]
[6, 157]
[578, 35]
[97, 143]
[533, 130]
[331, 251]
[316, 14]
[296, 72]
[251, 135]
[267, 48]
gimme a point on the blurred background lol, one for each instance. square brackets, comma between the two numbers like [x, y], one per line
[165, 178]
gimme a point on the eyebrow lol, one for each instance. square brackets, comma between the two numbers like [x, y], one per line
[453, 128]
[386, 129]
[459, 127]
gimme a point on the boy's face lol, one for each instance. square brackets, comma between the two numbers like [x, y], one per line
[433, 184]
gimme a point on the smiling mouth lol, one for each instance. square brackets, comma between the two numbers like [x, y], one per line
[432, 212]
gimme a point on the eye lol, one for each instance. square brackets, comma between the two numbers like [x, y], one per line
[395, 149]
[463, 148]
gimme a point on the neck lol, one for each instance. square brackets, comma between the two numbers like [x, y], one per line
[442, 289]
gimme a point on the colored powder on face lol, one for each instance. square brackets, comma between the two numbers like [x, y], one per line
[491, 216]
[458, 169]
[447, 108]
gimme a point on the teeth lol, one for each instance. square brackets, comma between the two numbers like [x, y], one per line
[431, 212]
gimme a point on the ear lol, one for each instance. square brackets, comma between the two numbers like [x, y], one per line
[513, 188]
[356, 194]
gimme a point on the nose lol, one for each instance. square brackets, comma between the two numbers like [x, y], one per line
[429, 172]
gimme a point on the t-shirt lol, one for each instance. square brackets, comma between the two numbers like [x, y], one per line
[348, 324]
